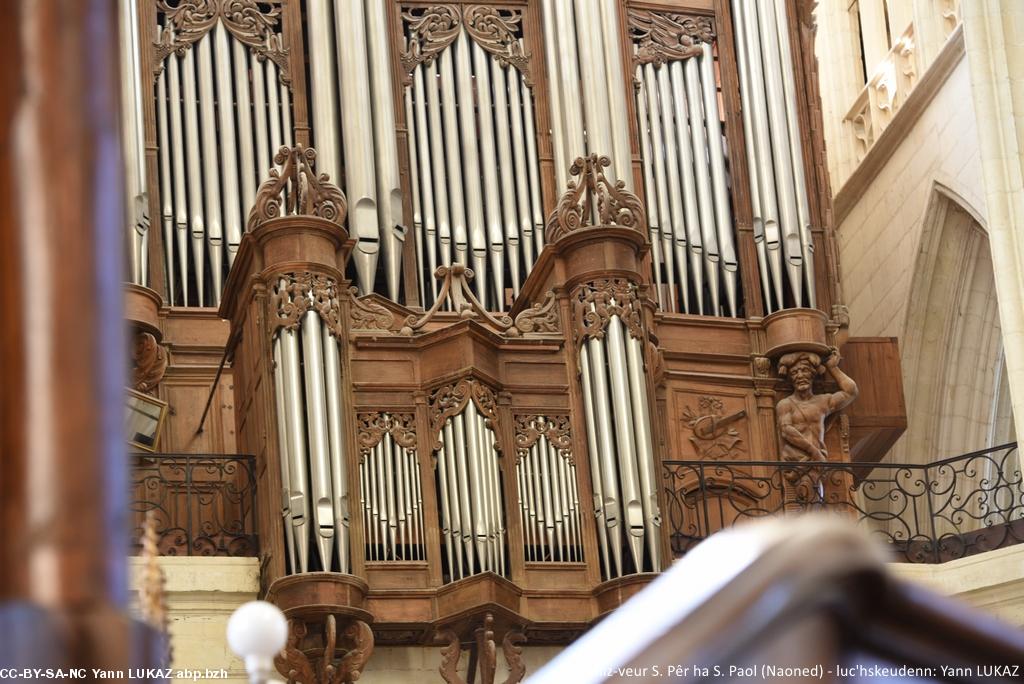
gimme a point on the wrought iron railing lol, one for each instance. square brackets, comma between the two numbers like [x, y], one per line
[930, 513]
[204, 503]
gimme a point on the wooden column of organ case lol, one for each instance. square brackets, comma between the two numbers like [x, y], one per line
[600, 314]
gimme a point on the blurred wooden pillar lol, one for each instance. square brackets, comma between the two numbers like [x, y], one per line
[63, 470]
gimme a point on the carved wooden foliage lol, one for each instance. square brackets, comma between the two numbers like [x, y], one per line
[667, 36]
[615, 206]
[149, 361]
[372, 427]
[431, 30]
[297, 293]
[557, 430]
[456, 292]
[366, 314]
[540, 318]
[449, 400]
[339, 661]
[252, 22]
[296, 189]
[595, 302]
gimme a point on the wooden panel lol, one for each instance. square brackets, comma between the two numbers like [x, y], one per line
[879, 416]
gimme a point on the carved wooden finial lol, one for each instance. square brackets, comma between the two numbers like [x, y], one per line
[455, 291]
[296, 189]
[576, 208]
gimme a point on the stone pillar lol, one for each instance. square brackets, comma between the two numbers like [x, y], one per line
[994, 37]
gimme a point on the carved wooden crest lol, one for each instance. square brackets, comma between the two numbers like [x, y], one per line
[455, 291]
[296, 293]
[336, 662]
[594, 304]
[540, 318]
[371, 428]
[498, 30]
[615, 206]
[449, 400]
[149, 361]
[667, 36]
[307, 194]
[486, 655]
[253, 23]
[557, 430]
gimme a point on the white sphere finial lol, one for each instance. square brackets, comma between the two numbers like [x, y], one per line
[257, 631]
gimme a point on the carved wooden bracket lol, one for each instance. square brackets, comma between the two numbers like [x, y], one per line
[253, 22]
[336, 664]
[449, 400]
[307, 194]
[713, 437]
[456, 292]
[557, 429]
[594, 304]
[149, 361]
[366, 314]
[615, 206]
[486, 655]
[540, 318]
[432, 29]
[667, 36]
[373, 426]
[296, 293]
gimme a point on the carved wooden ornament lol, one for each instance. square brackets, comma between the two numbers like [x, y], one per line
[336, 664]
[456, 292]
[308, 194]
[487, 655]
[616, 206]
[713, 435]
[557, 430]
[297, 293]
[540, 318]
[373, 426]
[149, 363]
[449, 400]
[366, 314]
[668, 36]
[594, 304]
[253, 23]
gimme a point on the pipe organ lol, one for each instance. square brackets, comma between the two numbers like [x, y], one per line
[574, 236]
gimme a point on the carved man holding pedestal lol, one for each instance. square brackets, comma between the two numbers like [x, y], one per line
[801, 416]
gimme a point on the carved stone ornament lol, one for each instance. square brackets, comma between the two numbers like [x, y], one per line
[149, 362]
[334, 663]
[668, 36]
[801, 416]
[366, 314]
[557, 430]
[713, 435]
[449, 400]
[307, 194]
[254, 23]
[371, 428]
[615, 205]
[296, 293]
[486, 655]
[455, 291]
[431, 30]
[594, 304]
[540, 318]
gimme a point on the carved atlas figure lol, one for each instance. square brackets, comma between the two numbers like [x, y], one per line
[801, 416]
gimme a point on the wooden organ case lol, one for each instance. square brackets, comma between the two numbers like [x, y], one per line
[462, 368]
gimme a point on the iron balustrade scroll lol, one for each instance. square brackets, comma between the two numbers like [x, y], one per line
[204, 503]
[930, 513]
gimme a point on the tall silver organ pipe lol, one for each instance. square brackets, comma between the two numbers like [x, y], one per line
[472, 508]
[684, 169]
[392, 500]
[133, 141]
[620, 440]
[548, 499]
[307, 377]
[776, 168]
[618, 119]
[222, 112]
[473, 143]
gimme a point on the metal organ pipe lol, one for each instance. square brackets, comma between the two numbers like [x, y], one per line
[508, 194]
[570, 82]
[426, 167]
[227, 148]
[520, 174]
[690, 205]
[166, 198]
[134, 145]
[589, 414]
[322, 88]
[489, 172]
[677, 218]
[644, 447]
[555, 96]
[211, 185]
[651, 191]
[318, 442]
[532, 163]
[660, 178]
[594, 80]
[178, 165]
[264, 153]
[614, 73]
[250, 176]
[414, 181]
[297, 469]
[194, 172]
[283, 441]
[336, 440]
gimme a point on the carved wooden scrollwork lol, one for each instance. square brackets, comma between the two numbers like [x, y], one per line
[149, 361]
[308, 194]
[666, 36]
[297, 293]
[495, 30]
[367, 314]
[430, 30]
[557, 430]
[252, 22]
[594, 304]
[373, 426]
[456, 292]
[615, 205]
[449, 400]
[340, 661]
[487, 655]
[540, 318]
